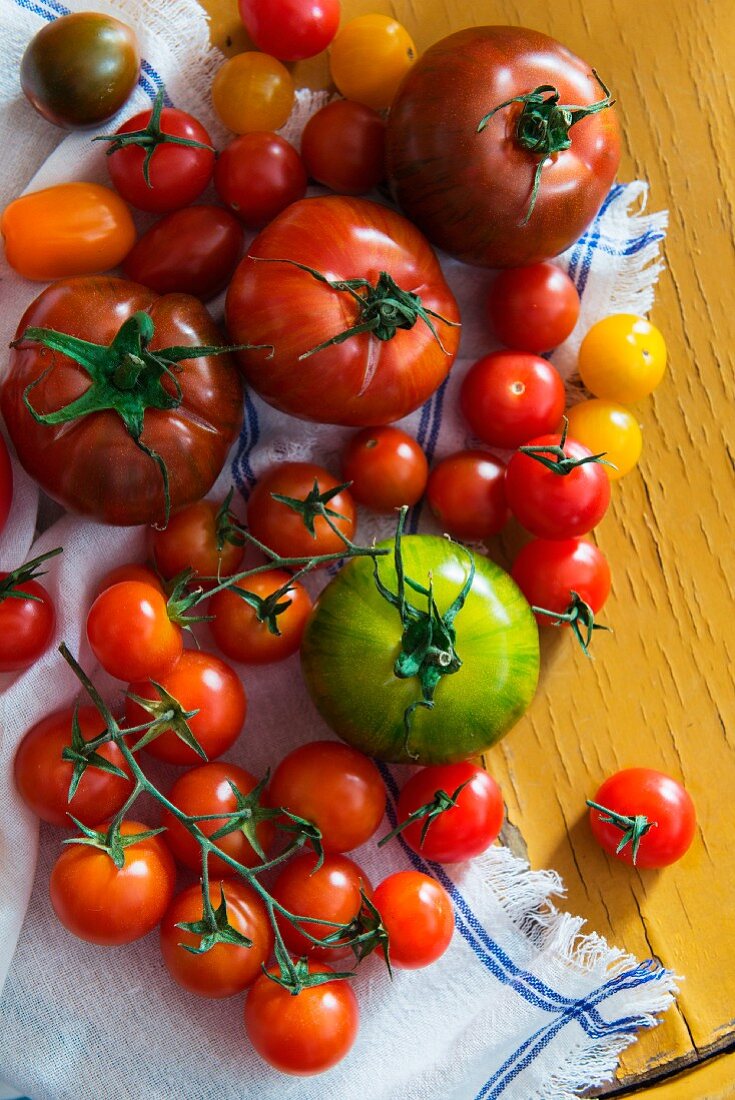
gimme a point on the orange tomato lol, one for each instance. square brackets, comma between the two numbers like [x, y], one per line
[252, 91]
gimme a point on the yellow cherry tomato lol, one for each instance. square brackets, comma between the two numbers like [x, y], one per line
[606, 426]
[69, 229]
[253, 91]
[622, 358]
[369, 58]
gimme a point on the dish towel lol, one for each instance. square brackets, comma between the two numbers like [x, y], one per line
[524, 1005]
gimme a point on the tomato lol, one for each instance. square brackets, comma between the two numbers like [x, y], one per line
[654, 817]
[252, 91]
[92, 464]
[509, 397]
[226, 968]
[606, 426]
[200, 682]
[334, 786]
[365, 379]
[6, 484]
[466, 493]
[343, 146]
[80, 69]
[290, 30]
[42, 777]
[68, 229]
[131, 634]
[26, 624]
[191, 541]
[332, 892]
[533, 308]
[258, 175]
[130, 572]
[356, 641]
[556, 505]
[102, 904]
[176, 173]
[622, 358]
[243, 636]
[282, 529]
[465, 829]
[462, 161]
[369, 58]
[191, 251]
[207, 790]
[303, 1034]
[549, 571]
[417, 914]
[385, 467]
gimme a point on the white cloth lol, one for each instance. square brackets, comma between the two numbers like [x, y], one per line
[522, 1005]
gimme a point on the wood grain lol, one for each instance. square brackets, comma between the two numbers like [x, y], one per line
[660, 692]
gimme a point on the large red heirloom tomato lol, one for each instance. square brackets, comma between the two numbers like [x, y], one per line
[351, 297]
[107, 410]
[501, 146]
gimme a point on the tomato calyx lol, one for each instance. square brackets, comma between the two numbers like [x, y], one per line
[149, 138]
[82, 754]
[113, 842]
[314, 504]
[543, 125]
[633, 828]
[364, 934]
[298, 976]
[555, 458]
[227, 527]
[167, 714]
[11, 585]
[580, 617]
[214, 926]
[428, 813]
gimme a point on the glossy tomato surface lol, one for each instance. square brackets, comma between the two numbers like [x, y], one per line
[243, 636]
[386, 468]
[605, 426]
[258, 175]
[363, 381]
[466, 493]
[130, 632]
[190, 540]
[252, 91]
[465, 829]
[655, 796]
[508, 397]
[26, 625]
[354, 637]
[417, 914]
[469, 191]
[290, 30]
[332, 892]
[553, 505]
[533, 308]
[343, 147]
[282, 529]
[369, 58]
[92, 465]
[548, 571]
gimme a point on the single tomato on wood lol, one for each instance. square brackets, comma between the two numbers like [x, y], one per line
[643, 817]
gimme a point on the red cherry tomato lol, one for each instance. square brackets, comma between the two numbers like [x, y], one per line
[43, 778]
[242, 636]
[281, 528]
[643, 792]
[343, 147]
[6, 484]
[290, 30]
[103, 904]
[190, 251]
[467, 828]
[557, 506]
[417, 913]
[131, 634]
[331, 893]
[225, 969]
[130, 572]
[548, 571]
[200, 682]
[385, 467]
[191, 540]
[509, 397]
[336, 787]
[207, 790]
[466, 493]
[533, 308]
[258, 175]
[303, 1034]
[26, 625]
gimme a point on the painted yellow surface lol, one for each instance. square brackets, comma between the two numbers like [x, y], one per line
[660, 692]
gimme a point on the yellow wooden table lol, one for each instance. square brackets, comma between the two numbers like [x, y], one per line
[660, 692]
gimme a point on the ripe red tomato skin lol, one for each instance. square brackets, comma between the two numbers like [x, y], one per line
[6, 484]
[547, 571]
[658, 797]
[533, 308]
[26, 626]
[178, 173]
[508, 397]
[282, 529]
[225, 969]
[305, 1034]
[131, 571]
[131, 634]
[463, 831]
[42, 778]
[189, 251]
[242, 637]
[466, 493]
[343, 147]
[332, 892]
[556, 506]
[258, 175]
[417, 913]
[189, 541]
[202, 682]
[336, 787]
[291, 30]
[386, 468]
[101, 904]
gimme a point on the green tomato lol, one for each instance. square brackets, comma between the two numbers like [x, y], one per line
[80, 69]
[371, 671]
